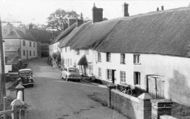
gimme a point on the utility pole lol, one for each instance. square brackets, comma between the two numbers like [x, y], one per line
[2, 68]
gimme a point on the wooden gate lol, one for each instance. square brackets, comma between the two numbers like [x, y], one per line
[155, 86]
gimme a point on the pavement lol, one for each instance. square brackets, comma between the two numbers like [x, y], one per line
[53, 98]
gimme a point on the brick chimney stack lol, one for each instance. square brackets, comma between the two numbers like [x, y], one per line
[126, 12]
[162, 8]
[97, 14]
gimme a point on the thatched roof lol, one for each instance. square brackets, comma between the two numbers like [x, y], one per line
[164, 32]
[93, 35]
[11, 32]
[64, 33]
[72, 37]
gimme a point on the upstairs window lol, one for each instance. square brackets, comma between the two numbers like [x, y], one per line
[137, 78]
[108, 56]
[136, 58]
[122, 58]
[33, 44]
[24, 43]
[99, 57]
[30, 44]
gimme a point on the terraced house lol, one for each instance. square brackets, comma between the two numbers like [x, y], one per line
[148, 51]
[19, 44]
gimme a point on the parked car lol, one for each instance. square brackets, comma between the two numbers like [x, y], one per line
[71, 73]
[11, 76]
[25, 76]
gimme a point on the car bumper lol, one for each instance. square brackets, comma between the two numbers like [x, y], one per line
[74, 78]
[28, 85]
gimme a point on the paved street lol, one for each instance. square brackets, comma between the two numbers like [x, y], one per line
[52, 98]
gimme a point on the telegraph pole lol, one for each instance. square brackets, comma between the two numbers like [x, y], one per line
[2, 68]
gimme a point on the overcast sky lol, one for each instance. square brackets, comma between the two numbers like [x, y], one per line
[37, 11]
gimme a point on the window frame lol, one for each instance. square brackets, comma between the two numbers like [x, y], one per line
[108, 57]
[122, 58]
[122, 76]
[24, 43]
[136, 59]
[99, 57]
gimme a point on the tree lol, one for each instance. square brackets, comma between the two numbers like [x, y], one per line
[58, 20]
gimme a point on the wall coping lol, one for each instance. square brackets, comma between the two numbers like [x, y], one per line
[132, 98]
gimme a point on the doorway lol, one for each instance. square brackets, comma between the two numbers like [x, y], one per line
[155, 86]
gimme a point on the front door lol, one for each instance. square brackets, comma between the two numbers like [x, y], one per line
[113, 76]
[155, 86]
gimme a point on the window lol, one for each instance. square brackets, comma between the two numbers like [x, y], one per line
[122, 59]
[99, 57]
[34, 53]
[23, 52]
[108, 56]
[99, 72]
[109, 74]
[122, 76]
[30, 43]
[137, 78]
[24, 43]
[30, 53]
[33, 44]
[136, 58]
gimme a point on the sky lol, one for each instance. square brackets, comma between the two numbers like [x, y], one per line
[37, 11]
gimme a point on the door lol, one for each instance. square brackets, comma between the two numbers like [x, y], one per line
[113, 76]
[155, 86]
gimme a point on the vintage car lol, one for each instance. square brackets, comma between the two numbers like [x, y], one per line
[71, 73]
[25, 76]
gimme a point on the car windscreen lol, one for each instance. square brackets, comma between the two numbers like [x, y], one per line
[73, 70]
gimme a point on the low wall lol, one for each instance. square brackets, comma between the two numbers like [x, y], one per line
[167, 117]
[132, 107]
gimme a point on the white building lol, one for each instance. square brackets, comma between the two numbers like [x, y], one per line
[149, 51]
[19, 44]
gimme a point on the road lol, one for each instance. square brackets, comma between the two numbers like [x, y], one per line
[52, 98]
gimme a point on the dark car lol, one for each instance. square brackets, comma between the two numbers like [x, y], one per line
[25, 76]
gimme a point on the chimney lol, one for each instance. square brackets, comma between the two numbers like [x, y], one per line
[157, 9]
[97, 14]
[126, 12]
[80, 21]
[162, 8]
